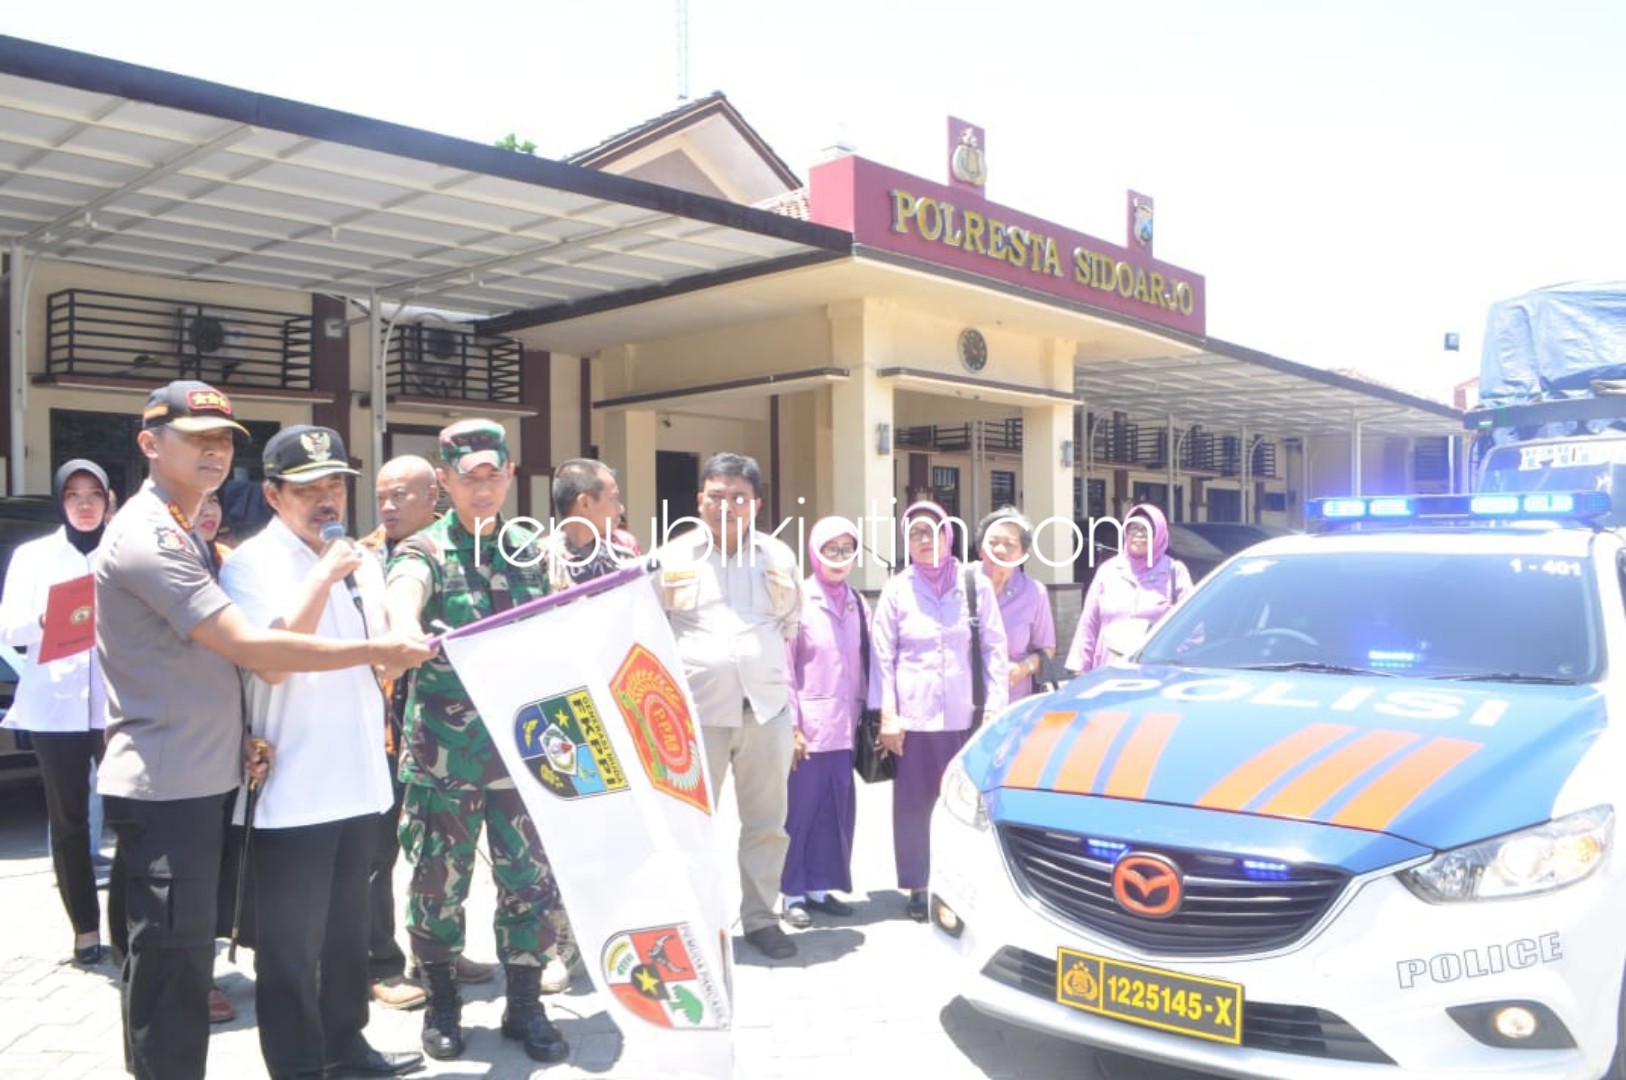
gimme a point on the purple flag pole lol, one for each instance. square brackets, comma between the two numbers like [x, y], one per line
[552, 600]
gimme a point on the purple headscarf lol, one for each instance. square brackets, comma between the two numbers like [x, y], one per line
[1155, 571]
[825, 530]
[940, 577]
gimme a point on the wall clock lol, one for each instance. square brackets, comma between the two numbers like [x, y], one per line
[973, 349]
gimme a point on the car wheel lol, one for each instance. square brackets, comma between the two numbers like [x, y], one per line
[1617, 1064]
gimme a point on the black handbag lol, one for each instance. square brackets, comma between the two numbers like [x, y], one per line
[870, 762]
[979, 693]
[1051, 675]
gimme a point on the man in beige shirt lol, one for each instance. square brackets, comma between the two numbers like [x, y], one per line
[733, 598]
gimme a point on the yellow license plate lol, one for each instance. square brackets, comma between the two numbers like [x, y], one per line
[1186, 1004]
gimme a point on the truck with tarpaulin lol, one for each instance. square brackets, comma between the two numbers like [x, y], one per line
[1552, 386]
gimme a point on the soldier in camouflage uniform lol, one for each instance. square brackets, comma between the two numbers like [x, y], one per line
[455, 781]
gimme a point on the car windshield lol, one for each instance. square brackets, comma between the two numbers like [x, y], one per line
[1497, 618]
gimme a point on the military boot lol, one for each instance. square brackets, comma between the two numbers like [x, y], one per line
[443, 1015]
[523, 1017]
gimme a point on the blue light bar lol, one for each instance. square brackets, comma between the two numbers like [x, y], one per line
[1335, 509]
[1552, 503]
[1494, 505]
[1583, 506]
[1261, 870]
[1389, 507]
[1105, 850]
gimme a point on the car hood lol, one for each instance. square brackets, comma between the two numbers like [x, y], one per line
[1438, 764]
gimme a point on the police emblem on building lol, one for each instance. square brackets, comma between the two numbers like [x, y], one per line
[1140, 221]
[967, 163]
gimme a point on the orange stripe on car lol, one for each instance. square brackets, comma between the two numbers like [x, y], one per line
[1029, 763]
[1244, 783]
[1332, 774]
[1083, 761]
[1133, 772]
[1390, 793]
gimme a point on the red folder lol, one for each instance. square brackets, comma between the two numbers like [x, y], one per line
[70, 619]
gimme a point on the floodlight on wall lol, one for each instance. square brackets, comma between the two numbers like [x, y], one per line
[883, 439]
[1067, 454]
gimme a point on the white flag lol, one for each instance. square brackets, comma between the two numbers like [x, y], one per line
[584, 696]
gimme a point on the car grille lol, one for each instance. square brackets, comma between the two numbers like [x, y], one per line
[1231, 905]
[1286, 1029]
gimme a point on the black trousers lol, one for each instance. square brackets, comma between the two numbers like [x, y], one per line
[168, 867]
[65, 759]
[384, 955]
[310, 957]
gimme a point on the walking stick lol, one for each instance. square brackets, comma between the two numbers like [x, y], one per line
[259, 747]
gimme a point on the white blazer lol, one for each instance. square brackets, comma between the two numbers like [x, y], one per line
[68, 694]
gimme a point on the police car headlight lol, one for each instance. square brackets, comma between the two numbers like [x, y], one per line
[1534, 860]
[961, 797]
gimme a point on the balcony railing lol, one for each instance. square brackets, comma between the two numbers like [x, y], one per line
[1119, 442]
[102, 334]
[437, 362]
[997, 435]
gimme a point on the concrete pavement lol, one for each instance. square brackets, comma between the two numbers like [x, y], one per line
[863, 997]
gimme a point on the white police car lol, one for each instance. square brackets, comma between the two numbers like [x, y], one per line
[1351, 812]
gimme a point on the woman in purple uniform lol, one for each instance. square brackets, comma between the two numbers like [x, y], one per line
[922, 643]
[828, 689]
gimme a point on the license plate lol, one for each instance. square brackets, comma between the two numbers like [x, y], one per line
[1185, 1004]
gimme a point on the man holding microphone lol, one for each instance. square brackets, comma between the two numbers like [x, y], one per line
[316, 823]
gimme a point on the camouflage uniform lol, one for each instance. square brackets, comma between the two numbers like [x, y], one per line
[455, 780]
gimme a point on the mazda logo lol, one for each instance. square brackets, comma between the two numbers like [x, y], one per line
[1147, 885]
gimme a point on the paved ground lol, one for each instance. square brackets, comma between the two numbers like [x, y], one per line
[861, 998]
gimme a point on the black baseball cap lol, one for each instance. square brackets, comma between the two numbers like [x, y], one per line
[304, 452]
[190, 406]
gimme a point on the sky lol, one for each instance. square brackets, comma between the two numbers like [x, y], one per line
[1353, 179]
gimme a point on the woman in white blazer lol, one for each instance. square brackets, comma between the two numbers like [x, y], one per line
[62, 704]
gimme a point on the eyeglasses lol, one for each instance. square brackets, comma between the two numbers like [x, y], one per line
[717, 498]
[839, 551]
[921, 534]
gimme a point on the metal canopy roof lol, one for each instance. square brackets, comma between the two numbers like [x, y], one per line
[112, 164]
[1228, 387]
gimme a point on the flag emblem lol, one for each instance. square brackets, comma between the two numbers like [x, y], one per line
[563, 744]
[657, 714]
[654, 974]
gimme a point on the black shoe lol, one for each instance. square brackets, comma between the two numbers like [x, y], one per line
[88, 955]
[917, 905]
[796, 915]
[830, 905]
[523, 1017]
[772, 942]
[442, 1014]
[375, 1063]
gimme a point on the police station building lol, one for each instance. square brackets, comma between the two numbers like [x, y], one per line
[867, 335]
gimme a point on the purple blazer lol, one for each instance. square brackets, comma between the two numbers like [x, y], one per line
[828, 689]
[923, 645]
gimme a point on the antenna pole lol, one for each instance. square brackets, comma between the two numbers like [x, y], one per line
[683, 50]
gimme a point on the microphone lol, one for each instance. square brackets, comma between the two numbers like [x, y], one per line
[333, 533]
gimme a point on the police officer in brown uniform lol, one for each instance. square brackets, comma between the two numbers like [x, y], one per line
[170, 643]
